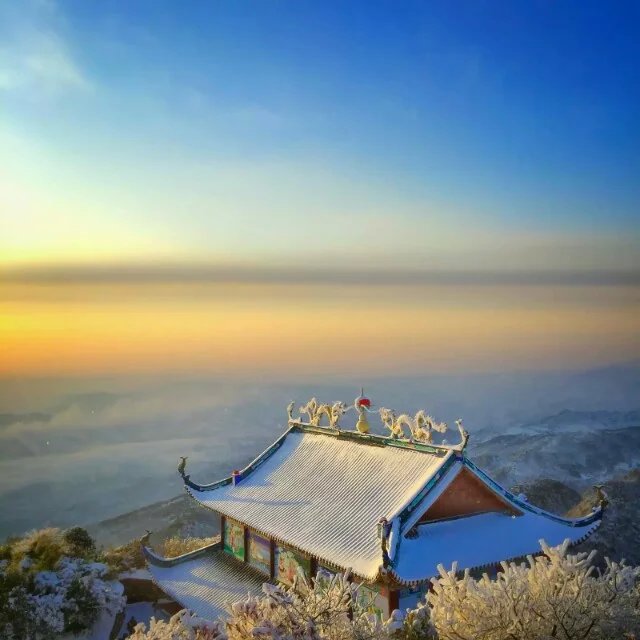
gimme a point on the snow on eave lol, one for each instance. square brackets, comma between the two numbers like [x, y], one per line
[252, 466]
[160, 561]
[413, 583]
[243, 579]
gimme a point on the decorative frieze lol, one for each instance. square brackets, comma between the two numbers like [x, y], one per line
[418, 428]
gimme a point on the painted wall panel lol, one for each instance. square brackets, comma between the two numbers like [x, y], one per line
[371, 598]
[259, 553]
[234, 538]
[287, 564]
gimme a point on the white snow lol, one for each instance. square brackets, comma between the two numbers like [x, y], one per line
[140, 612]
[207, 583]
[138, 574]
[325, 495]
[478, 540]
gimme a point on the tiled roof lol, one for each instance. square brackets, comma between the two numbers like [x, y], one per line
[324, 492]
[479, 540]
[325, 495]
[206, 583]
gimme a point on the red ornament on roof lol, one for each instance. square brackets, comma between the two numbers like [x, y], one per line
[362, 401]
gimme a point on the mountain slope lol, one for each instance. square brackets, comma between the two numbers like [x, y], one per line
[576, 458]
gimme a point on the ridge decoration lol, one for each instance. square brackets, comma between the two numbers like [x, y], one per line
[418, 428]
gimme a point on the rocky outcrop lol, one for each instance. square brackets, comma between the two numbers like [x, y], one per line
[619, 534]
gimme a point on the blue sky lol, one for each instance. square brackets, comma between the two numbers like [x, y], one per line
[492, 134]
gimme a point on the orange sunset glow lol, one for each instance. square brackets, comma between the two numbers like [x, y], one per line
[74, 329]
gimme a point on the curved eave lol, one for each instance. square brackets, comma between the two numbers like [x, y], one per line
[160, 561]
[252, 466]
[589, 530]
[204, 581]
[577, 529]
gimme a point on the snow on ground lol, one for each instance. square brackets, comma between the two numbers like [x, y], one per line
[141, 612]
[138, 574]
[101, 630]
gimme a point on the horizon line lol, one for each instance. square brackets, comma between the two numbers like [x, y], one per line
[206, 272]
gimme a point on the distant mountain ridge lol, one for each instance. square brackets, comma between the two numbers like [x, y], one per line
[578, 448]
[570, 420]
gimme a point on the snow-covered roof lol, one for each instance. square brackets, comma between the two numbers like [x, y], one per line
[324, 491]
[205, 581]
[325, 495]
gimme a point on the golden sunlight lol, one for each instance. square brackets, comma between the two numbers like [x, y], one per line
[310, 329]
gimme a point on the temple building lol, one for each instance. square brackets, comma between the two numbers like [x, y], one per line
[323, 498]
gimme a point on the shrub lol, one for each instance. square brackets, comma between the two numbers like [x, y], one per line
[41, 605]
[124, 558]
[79, 543]
[44, 548]
[182, 626]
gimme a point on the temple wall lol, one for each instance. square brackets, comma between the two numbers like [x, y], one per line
[280, 563]
[466, 495]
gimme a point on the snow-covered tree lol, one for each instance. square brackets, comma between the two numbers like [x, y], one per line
[555, 595]
[182, 626]
[40, 605]
[325, 609]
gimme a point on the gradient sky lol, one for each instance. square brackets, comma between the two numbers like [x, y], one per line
[285, 137]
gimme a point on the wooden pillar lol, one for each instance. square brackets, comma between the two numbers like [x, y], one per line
[246, 544]
[223, 522]
[313, 568]
[394, 599]
[273, 557]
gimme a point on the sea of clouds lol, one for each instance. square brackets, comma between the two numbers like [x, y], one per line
[79, 451]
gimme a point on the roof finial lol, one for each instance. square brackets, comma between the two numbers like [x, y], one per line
[144, 540]
[601, 496]
[361, 404]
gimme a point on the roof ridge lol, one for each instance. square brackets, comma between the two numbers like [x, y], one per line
[242, 473]
[369, 439]
[373, 439]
